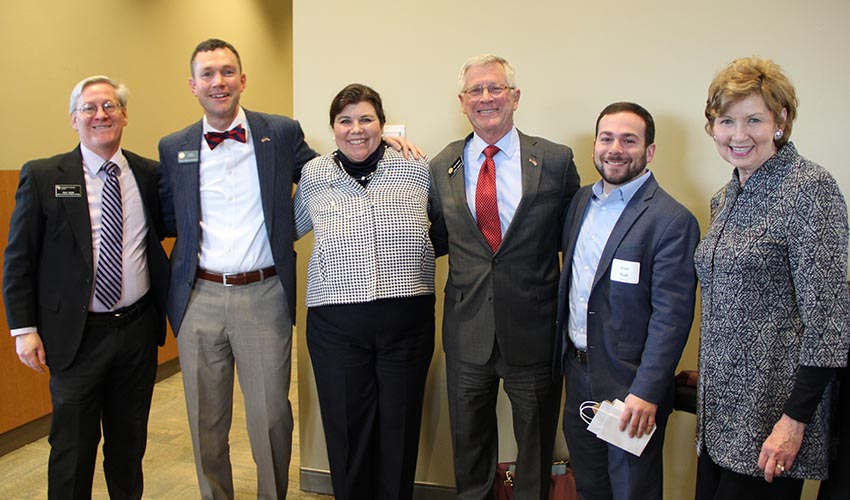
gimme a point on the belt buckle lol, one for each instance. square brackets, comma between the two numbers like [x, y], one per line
[582, 356]
[224, 278]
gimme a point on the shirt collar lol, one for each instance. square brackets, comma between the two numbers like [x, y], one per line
[92, 161]
[508, 144]
[624, 193]
[240, 119]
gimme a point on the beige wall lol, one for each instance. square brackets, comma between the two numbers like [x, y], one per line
[572, 58]
[49, 46]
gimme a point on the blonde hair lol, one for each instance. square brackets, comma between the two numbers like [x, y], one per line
[753, 75]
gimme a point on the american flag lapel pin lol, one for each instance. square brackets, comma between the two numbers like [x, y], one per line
[265, 139]
[533, 160]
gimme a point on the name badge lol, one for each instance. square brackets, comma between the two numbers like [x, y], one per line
[455, 168]
[625, 271]
[188, 156]
[67, 191]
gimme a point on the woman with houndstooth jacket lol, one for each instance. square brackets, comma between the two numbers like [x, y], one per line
[370, 299]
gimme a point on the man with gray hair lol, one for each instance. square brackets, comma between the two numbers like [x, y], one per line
[84, 282]
[497, 205]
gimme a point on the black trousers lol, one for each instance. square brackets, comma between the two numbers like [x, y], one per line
[109, 385]
[371, 361]
[837, 487]
[717, 483]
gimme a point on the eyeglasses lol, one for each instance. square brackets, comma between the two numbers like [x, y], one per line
[495, 90]
[109, 107]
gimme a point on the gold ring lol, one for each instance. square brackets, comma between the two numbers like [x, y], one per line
[780, 467]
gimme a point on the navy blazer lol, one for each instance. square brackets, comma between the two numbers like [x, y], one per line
[49, 269]
[635, 332]
[280, 152]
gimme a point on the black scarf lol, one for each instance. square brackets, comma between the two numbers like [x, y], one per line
[361, 171]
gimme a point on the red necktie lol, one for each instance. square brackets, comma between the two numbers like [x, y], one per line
[486, 206]
[237, 133]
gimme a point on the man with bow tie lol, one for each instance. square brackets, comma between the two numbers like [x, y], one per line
[85, 281]
[226, 185]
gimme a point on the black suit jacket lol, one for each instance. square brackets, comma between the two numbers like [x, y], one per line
[280, 152]
[48, 270]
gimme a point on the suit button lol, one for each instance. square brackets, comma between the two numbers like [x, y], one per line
[490, 299]
[85, 308]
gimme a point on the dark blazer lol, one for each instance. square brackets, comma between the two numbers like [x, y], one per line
[280, 152]
[509, 296]
[48, 270]
[636, 333]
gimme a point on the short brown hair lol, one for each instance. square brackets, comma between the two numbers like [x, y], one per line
[753, 75]
[208, 46]
[354, 93]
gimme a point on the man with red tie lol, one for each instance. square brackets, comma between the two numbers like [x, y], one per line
[497, 205]
[85, 281]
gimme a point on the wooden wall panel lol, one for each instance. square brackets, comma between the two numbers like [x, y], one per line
[24, 394]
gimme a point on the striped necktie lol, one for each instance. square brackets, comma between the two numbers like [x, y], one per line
[108, 283]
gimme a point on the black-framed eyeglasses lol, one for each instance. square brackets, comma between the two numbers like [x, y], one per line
[108, 107]
[493, 89]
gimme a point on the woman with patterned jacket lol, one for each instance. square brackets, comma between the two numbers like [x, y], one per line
[775, 308]
[370, 299]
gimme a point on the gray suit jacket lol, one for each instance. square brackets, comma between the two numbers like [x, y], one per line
[280, 151]
[48, 269]
[508, 297]
[636, 332]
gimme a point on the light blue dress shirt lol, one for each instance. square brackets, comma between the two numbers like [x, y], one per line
[508, 174]
[601, 215]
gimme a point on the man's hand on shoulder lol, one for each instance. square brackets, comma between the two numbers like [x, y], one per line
[406, 147]
[31, 351]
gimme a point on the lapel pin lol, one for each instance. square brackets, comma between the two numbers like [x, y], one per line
[265, 139]
[532, 160]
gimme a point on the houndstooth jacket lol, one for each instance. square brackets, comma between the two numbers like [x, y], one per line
[772, 270]
[370, 243]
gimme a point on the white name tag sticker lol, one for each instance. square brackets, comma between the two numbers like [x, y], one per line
[625, 271]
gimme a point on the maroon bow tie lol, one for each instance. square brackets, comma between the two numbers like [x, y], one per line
[237, 133]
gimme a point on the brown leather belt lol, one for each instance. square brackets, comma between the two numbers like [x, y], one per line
[230, 279]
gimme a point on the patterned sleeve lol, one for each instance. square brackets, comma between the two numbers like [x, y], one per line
[817, 253]
[303, 222]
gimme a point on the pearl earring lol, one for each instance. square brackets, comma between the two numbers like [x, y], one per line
[778, 134]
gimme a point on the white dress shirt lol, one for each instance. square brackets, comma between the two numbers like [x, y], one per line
[233, 226]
